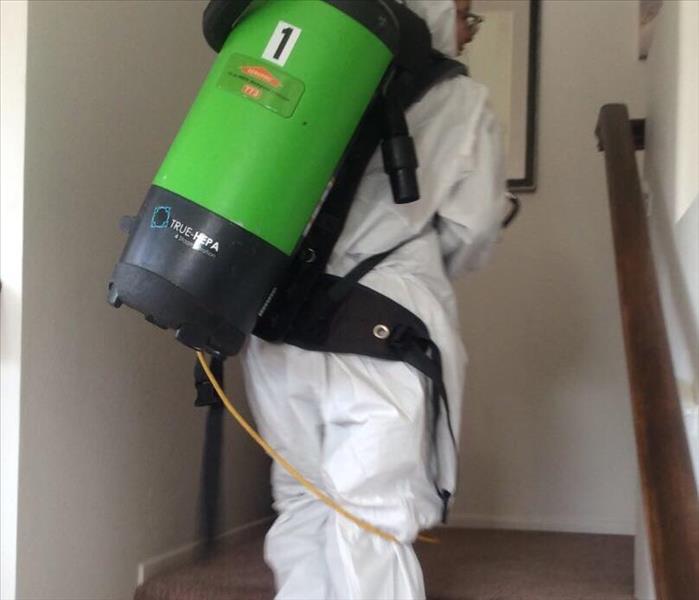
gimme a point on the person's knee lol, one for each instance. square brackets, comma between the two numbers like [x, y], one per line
[382, 479]
[375, 460]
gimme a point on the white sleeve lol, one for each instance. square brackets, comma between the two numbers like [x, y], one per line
[469, 217]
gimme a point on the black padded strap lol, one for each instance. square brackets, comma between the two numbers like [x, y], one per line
[416, 40]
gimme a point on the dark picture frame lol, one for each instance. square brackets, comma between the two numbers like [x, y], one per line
[522, 99]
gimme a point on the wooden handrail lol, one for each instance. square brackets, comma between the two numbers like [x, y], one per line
[667, 480]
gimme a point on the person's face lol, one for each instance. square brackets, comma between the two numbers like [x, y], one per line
[464, 32]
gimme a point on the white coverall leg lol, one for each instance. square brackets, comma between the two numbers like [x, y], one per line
[364, 444]
[357, 427]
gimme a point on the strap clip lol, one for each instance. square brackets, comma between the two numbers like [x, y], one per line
[206, 394]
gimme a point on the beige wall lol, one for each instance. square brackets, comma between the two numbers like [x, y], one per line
[110, 441]
[547, 429]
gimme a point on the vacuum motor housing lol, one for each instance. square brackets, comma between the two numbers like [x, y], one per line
[250, 164]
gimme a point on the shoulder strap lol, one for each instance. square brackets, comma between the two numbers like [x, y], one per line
[311, 257]
[411, 86]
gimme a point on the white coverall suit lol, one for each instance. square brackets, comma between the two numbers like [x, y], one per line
[356, 426]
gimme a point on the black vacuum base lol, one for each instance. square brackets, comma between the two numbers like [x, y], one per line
[176, 309]
[188, 269]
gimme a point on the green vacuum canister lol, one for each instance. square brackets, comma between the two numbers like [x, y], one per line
[251, 161]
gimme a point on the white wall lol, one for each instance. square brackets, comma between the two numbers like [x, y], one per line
[673, 109]
[110, 441]
[674, 104]
[672, 181]
[13, 64]
[547, 438]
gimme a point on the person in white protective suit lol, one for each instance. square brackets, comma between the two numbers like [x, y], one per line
[356, 426]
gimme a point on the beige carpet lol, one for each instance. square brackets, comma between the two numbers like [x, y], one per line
[468, 564]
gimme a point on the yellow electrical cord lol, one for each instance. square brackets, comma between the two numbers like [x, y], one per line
[293, 471]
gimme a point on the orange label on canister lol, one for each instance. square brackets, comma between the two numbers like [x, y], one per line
[268, 86]
[262, 74]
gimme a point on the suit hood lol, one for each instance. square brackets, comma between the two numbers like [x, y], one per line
[440, 16]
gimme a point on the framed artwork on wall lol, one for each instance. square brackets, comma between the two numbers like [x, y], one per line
[504, 55]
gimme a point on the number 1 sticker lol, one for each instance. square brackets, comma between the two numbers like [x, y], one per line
[281, 43]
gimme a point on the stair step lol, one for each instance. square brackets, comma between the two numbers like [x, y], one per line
[467, 564]
[237, 572]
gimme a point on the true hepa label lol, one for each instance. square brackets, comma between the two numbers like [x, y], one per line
[186, 234]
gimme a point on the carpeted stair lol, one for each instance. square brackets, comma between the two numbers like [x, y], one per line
[468, 564]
